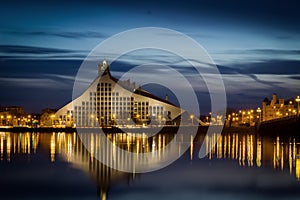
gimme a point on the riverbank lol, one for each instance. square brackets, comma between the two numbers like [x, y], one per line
[164, 129]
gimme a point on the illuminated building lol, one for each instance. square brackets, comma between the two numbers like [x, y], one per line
[277, 108]
[109, 101]
[11, 116]
[47, 117]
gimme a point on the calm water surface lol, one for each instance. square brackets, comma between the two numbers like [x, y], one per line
[239, 166]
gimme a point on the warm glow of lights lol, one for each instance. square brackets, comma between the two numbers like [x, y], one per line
[258, 152]
[250, 150]
[297, 167]
[290, 157]
[8, 147]
[243, 153]
[1, 146]
[220, 148]
[191, 147]
[92, 150]
[52, 148]
[247, 149]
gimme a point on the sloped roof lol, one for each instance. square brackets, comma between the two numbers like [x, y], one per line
[136, 91]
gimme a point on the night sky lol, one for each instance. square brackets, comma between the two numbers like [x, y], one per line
[256, 45]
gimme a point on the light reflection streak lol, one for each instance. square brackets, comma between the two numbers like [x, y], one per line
[191, 147]
[17, 143]
[52, 148]
[250, 150]
[246, 149]
[258, 152]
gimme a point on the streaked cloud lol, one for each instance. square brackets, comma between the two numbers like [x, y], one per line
[41, 83]
[63, 34]
[28, 52]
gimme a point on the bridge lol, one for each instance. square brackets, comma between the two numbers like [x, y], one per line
[281, 125]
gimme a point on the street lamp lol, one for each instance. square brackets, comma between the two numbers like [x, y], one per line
[259, 111]
[192, 118]
[52, 119]
[298, 100]
[243, 113]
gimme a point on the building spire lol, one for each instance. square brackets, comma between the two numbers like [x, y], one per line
[102, 67]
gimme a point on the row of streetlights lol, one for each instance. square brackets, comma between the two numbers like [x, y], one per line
[11, 120]
[249, 113]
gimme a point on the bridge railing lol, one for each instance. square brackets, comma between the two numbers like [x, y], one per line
[279, 119]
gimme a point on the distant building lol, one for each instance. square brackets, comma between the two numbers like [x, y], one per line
[109, 101]
[47, 117]
[278, 108]
[11, 116]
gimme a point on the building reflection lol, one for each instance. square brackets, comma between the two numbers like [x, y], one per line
[70, 147]
[250, 150]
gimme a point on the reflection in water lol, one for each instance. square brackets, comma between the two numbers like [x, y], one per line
[251, 150]
[247, 149]
[21, 143]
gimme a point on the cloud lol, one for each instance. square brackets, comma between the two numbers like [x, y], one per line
[31, 49]
[275, 51]
[27, 52]
[272, 66]
[63, 34]
[242, 56]
[262, 51]
[59, 76]
[295, 77]
[41, 83]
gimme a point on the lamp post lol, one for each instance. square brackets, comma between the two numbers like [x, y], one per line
[192, 118]
[298, 100]
[243, 116]
[52, 119]
[259, 111]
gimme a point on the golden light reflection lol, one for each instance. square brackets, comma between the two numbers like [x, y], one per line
[250, 150]
[17, 143]
[246, 149]
[8, 147]
[52, 148]
[191, 147]
[258, 152]
[298, 167]
[1, 145]
[233, 147]
[220, 148]
[236, 146]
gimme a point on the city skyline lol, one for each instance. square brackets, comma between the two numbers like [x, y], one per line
[255, 45]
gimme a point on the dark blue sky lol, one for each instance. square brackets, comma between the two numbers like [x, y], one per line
[255, 44]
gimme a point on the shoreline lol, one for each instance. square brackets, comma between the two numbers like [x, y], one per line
[272, 132]
[134, 129]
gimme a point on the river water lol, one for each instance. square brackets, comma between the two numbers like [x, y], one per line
[241, 165]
